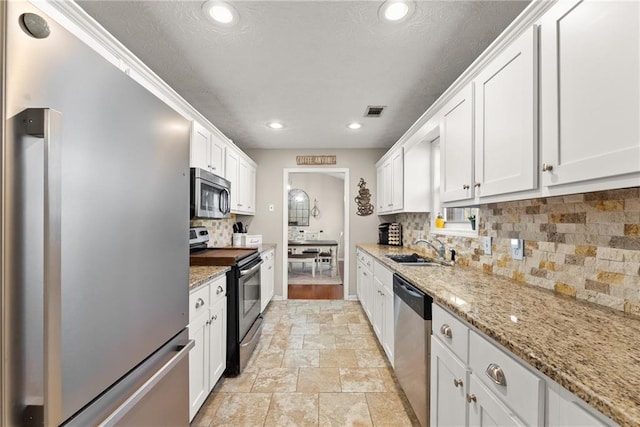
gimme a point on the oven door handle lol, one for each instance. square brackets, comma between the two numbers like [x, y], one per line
[252, 269]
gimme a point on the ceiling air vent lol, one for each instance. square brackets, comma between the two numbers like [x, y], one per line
[374, 110]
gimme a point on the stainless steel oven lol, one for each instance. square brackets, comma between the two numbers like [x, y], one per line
[209, 196]
[244, 321]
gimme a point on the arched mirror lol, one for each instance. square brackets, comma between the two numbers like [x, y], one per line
[298, 208]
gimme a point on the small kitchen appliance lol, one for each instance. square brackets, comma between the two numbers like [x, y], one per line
[390, 233]
[209, 196]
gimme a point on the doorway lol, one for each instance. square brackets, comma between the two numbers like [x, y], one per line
[324, 217]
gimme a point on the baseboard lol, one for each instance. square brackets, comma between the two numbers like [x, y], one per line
[352, 298]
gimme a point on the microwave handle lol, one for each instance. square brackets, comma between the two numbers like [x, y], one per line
[224, 208]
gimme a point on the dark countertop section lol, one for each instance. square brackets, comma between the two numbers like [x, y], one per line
[588, 349]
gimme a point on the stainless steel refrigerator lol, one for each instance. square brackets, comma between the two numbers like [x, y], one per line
[95, 209]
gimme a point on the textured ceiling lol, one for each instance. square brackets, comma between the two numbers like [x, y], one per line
[314, 65]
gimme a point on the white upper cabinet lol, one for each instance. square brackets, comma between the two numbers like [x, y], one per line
[590, 86]
[456, 152]
[391, 183]
[417, 177]
[207, 150]
[242, 174]
[506, 145]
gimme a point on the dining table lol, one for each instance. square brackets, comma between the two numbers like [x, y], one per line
[331, 244]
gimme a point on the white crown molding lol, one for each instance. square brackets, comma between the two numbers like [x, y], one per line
[525, 20]
[69, 14]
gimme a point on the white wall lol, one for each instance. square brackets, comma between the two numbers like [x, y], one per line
[269, 190]
[329, 192]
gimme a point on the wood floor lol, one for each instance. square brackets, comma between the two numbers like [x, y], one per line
[313, 292]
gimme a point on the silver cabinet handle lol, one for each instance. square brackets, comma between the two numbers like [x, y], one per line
[145, 388]
[215, 317]
[496, 374]
[219, 290]
[199, 303]
[547, 167]
[457, 382]
[477, 185]
[46, 124]
[465, 187]
[446, 330]
[471, 398]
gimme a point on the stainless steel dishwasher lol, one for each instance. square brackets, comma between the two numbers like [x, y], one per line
[412, 323]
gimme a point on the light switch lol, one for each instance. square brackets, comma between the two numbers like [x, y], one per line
[486, 245]
[517, 249]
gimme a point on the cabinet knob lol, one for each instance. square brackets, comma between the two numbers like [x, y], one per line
[199, 303]
[208, 322]
[457, 382]
[495, 372]
[446, 330]
[215, 317]
[219, 290]
[477, 185]
[465, 187]
[471, 398]
[547, 167]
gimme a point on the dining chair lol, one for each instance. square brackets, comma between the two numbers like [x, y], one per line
[327, 257]
[303, 259]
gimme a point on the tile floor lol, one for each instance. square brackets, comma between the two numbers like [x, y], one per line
[317, 364]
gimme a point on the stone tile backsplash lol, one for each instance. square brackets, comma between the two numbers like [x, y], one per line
[586, 246]
[220, 230]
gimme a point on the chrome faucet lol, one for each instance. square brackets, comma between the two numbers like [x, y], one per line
[440, 250]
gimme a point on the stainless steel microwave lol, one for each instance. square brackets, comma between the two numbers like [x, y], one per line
[209, 195]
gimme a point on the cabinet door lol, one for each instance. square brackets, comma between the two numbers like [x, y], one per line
[387, 183]
[456, 152]
[590, 80]
[217, 341]
[359, 281]
[388, 333]
[198, 363]
[252, 190]
[267, 278]
[217, 155]
[506, 149]
[199, 153]
[368, 291]
[448, 384]
[397, 180]
[232, 169]
[377, 309]
[485, 409]
[380, 190]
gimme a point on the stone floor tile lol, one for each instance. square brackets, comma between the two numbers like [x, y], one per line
[359, 328]
[389, 380]
[370, 358]
[287, 342]
[307, 329]
[322, 319]
[319, 342]
[355, 341]
[332, 329]
[347, 318]
[361, 380]
[301, 358]
[343, 409]
[267, 358]
[318, 380]
[240, 384]
[293, 409]
[274, 380]
[204, 417]
[308, 309]
[338, 358]
[386, 409]
[242, 409]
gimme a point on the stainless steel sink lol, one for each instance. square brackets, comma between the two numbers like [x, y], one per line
[415, 260]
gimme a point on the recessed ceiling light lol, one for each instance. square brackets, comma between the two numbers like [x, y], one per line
[220, 13]
[275, 125]
[354, 125]
[395, 10]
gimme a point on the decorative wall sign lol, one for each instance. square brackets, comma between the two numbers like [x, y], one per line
[316, 160]
[363, 199]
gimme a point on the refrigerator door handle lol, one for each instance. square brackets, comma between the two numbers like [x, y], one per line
[145, 388]
[46, 123]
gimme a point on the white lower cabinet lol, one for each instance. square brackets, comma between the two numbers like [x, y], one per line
[494, 388]
[365, 282]
[267, 277]
[208, 328]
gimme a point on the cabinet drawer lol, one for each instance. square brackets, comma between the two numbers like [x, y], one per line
[366, 259]
[452, 332]
[384, 276]
[198, 302]
[504, 376]
[218, 288]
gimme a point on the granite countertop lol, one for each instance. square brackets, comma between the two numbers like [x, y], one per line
[199, 275]
[588, 349]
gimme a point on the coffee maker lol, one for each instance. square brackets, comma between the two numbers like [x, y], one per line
[390, 233]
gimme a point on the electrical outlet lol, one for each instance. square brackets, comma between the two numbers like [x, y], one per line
[486, 245]
[271, 207]
[517, 249]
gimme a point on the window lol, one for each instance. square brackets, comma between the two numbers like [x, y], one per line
[298, 208]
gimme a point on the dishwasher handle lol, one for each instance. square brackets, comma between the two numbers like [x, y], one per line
[417, 300]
